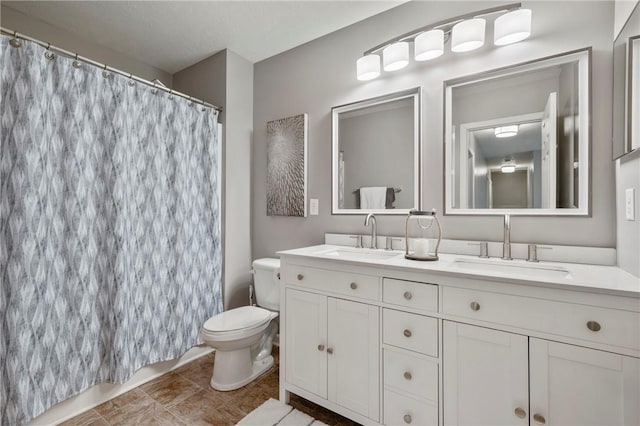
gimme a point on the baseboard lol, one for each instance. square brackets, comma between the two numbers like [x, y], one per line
[102, 393]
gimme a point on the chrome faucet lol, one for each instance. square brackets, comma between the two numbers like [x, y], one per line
[374, 233]
[506, 243]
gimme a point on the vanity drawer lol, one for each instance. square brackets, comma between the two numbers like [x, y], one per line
[601, 325]
[356, 285]
[410, 331]
[411, 374]
[410, 294]
[404, 410]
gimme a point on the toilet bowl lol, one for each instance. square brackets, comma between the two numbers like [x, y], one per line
[242, 337]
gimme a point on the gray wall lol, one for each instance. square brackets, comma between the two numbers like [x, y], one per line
[627, 176]
[321, 74]
[18, 21]
[226, 79]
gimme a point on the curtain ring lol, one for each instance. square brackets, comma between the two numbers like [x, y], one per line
[131, 82]
[49, 54]
[190, 100]
[204, 107]
[15, 41]
[105, 72]
[171, 94]
[76, 63]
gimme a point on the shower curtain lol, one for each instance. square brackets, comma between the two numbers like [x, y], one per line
[110, 255]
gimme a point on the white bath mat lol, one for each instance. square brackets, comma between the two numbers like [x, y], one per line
[273, 412]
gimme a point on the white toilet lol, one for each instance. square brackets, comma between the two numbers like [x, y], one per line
[243, 337]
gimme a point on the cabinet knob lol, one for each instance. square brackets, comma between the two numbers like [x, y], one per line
[321, 347]
[408, 295]
[407, 375]
[329, 350]
[539, 419]
[475, 306]
[593, 325]
[520, 413]
[353, 286]
[407, 333]
[407, 418]
[300, 277]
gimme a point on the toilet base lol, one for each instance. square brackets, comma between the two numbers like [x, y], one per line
[227, 362]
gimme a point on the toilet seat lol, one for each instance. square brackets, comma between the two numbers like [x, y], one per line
[237, 322]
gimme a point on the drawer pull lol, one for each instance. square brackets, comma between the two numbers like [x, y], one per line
[407, 375]
[300, 277]
[539, 419]
[321, 347]
[593, 325]
[408, 295]
[520, 413]
[407, 418]
[407, 333]
[353, 286]
[475, 306]
[329, 351]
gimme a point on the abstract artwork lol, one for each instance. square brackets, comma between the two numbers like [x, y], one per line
[287, 166]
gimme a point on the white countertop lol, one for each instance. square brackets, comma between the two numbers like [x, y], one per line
[581, 277]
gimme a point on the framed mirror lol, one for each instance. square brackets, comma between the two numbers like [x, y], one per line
[517, 139]
[376, 155]
[626, 87]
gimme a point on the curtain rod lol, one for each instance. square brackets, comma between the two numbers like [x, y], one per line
[156, 84]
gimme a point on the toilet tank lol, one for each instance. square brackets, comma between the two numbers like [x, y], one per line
[266, 283]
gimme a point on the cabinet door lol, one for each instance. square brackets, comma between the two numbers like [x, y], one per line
[571, 385]
[485, 376]
[306, 341]
[353, 361]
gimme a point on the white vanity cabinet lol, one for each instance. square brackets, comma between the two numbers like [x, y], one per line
[581, 386]
[486, 375]
[332, 345]
[500, 378]
[398, 344]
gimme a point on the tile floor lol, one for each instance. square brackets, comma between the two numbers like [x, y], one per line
[184, 397]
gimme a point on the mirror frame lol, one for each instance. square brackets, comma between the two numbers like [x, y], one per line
[415, 94]
[583, 56]
[623, 146]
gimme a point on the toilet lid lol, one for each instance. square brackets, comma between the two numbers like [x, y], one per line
[238, 318]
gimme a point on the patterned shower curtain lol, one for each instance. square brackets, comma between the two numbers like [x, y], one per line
[110, 254]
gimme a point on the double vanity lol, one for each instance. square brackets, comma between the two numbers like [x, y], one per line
[470, 340]
[385, 340]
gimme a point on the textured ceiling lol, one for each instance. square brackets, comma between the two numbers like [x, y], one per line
[172, 35]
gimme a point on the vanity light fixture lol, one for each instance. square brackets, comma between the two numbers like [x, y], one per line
[508, 166]
[395, 56]
[468, 35]
[506, 131]
[512, 27]
[368, 67]
[428, 45]
[466, 32]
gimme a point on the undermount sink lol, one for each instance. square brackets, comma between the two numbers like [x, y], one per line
[512, 267]
[359, 254]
